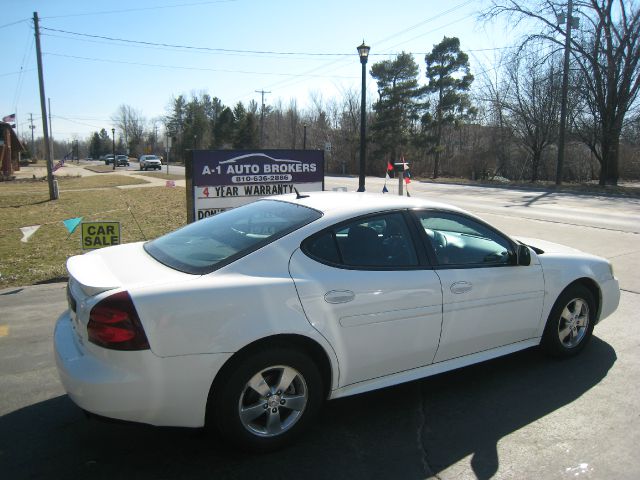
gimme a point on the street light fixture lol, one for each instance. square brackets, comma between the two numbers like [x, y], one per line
[113, 146]
[363, 51]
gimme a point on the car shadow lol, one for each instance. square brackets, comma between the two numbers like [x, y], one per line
[410, 431]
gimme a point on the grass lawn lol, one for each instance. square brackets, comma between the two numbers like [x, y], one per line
[156, 209]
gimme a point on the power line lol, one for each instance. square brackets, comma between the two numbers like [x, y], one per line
[191, 47]
[14, 23]
[179, 67]
[17, 72]
[227, 51]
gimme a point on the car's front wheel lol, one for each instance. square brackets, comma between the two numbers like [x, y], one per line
[571, 321]
[267, 399]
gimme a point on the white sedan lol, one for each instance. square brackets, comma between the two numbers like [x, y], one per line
[149, 161]
[247, 321]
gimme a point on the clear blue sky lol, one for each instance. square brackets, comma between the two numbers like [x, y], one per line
[88, 78]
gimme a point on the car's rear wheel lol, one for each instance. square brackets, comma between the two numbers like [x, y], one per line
[267, 399]
[571, 321]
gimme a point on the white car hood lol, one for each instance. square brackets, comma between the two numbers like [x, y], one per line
[122, 266]
[548, 247]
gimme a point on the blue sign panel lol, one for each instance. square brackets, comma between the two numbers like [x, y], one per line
[223, 179]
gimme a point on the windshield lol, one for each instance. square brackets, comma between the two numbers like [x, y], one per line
[213, 242]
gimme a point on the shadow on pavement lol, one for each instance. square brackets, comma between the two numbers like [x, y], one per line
[410, 431]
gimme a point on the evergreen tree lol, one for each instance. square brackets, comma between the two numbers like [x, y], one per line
[399, 103]
[247, 135]
[224, 129]
[95, 146]
[105, 142]
[449, 82]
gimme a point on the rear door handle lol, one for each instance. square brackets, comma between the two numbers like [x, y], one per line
[461, 287]
[339, 296]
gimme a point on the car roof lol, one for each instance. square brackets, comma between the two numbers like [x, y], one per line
[344, 204]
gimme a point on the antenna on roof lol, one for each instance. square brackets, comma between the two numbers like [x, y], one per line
[299, 195]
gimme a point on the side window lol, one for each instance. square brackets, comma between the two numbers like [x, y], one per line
[324, 247]
[378, 241]
[461, 241]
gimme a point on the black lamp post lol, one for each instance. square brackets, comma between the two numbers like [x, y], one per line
[363, 51]
[113, 146]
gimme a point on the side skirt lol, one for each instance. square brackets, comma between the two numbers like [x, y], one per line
[433, 369]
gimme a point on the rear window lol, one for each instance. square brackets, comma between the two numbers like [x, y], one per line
[213, 242]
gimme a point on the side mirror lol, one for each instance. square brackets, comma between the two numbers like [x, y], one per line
[524, 255]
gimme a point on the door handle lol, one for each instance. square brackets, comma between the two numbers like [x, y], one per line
[339, 296]
[461, 287]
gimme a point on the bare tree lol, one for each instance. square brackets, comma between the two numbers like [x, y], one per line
[606, 50]
[131, 123]
[532, 103]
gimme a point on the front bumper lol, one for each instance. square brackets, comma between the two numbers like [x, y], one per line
[134, 386]
[610, 291]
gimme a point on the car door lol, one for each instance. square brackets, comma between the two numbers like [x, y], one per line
[369, 292]
[489, 300]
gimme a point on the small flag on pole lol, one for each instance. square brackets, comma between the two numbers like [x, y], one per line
[59, 164]
[407, 180]
[27, 232]
[9, 118]
[72, 223]
[385, 189]
[389, 166]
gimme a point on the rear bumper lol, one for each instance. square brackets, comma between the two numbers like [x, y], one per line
[134, 386]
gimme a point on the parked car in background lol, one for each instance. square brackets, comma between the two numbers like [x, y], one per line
[108, 158]
[122, 161]
[247, 321]
[150, 161]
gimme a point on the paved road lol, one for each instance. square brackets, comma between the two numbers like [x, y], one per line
[523, 416]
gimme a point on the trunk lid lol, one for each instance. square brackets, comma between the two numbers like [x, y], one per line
[123, 266]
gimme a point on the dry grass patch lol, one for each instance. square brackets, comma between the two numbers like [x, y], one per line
[156, 209]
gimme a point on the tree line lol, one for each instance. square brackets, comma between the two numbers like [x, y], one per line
[503, 123]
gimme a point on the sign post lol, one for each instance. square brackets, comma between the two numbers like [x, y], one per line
[218, 180]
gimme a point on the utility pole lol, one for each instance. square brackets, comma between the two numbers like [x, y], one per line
[565, 88]
[53, 153]
[262, 92]
[155, 136]
[53, 193]
[32, 127]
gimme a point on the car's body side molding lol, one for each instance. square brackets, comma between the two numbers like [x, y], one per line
[433, 369]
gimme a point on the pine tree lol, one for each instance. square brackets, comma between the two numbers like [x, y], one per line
[399, 103]
[449, 80]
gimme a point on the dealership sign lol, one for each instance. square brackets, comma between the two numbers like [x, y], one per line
[221, 179]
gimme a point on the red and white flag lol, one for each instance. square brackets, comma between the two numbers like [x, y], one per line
[9, 118]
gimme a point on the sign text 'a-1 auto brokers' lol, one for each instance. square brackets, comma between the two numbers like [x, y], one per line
[218, 180]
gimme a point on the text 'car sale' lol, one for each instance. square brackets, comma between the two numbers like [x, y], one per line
[223, 179]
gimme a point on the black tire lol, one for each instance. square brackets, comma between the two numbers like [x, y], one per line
[223, 410]
[566, 333]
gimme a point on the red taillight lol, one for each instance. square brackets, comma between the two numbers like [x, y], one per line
[114, 324]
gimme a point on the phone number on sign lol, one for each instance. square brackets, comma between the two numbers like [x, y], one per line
[260, 178]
